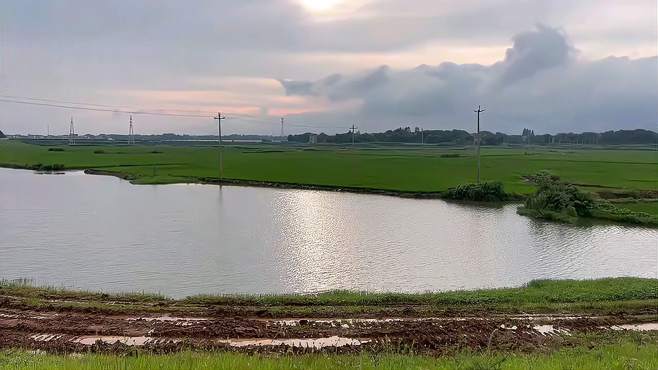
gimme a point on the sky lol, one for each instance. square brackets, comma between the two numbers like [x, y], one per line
[324, 65]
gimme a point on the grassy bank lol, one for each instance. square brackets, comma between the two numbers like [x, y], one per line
[602, 295]
[628, 352]
[408, 169]
[646, 206]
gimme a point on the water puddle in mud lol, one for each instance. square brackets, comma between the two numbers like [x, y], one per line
[346, 323]
[637, 327]
[106, 339]
[549, 330]
[178, 321]
[316, 343]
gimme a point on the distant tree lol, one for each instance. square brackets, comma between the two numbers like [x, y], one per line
[2, 136]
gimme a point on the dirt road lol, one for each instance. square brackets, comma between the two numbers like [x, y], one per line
[70, 331]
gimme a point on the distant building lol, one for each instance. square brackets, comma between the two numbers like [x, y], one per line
[312, 139]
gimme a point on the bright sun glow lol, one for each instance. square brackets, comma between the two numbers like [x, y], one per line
[320, 6]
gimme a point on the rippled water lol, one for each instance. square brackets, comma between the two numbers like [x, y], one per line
[98, 232]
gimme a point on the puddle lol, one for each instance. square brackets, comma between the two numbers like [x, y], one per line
[346, 323]
[130, 341]
[178, 321]
[316, 343]
[637, 327]
[46, 337]
[107, 339]
[549, 330]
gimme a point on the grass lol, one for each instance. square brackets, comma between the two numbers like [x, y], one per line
[414, 169]
[610, 295]
[627, 353]
[650, 207]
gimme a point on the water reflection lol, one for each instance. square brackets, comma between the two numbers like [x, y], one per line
[99, 232]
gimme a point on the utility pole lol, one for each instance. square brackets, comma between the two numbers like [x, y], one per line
[353, 128]
[477, 138]
[71, 133]
[220, 150]
[131, 132]
[281, 128]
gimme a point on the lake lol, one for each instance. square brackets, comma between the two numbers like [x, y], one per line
[103, 233]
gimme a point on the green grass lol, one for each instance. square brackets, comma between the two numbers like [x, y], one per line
[627, 353]
[610, 295]
[411, 169]
[650, 207]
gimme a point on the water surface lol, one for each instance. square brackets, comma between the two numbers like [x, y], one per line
[103, 233]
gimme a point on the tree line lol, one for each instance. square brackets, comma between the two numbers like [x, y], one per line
[462, 137]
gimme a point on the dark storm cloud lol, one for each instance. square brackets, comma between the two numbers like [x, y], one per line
[540, 83]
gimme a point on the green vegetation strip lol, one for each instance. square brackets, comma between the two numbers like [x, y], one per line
[627, 353]
[389, 168]
[539, 295]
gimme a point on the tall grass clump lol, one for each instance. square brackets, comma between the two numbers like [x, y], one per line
[483, 192]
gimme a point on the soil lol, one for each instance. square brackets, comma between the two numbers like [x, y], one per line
[65, 331]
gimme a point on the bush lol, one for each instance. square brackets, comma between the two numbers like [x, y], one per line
[555, 196]
[48, 167]
[484, 192]
[55, 149]
[99, 151]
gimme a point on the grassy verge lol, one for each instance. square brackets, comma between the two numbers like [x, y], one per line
[603, 295]
[646, 206]
[628, 352]
[397, 169]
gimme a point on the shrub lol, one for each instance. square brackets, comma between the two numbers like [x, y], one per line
[484, 192]
[555, 196]
[99, 151]
[55, 149]
[48, 167]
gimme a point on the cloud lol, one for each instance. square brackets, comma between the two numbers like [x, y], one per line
[540, 83]
[98, 52]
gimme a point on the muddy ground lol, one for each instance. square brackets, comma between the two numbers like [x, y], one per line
[64, 331]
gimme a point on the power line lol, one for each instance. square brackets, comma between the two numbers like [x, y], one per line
[73, 107]
[124, 107]
[94, 107]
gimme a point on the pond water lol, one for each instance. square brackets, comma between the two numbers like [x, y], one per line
[103, 233]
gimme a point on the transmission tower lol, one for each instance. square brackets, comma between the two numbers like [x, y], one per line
[281, 128]
[131, 132]
[353, 128]
[71, 133]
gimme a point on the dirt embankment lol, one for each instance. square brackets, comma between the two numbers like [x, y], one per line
[68, 331]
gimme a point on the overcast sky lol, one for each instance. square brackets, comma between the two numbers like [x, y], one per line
[550, 65]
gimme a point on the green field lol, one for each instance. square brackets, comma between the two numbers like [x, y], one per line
[403, 169]
[627, 352]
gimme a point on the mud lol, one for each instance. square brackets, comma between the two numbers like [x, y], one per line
[66, 332]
